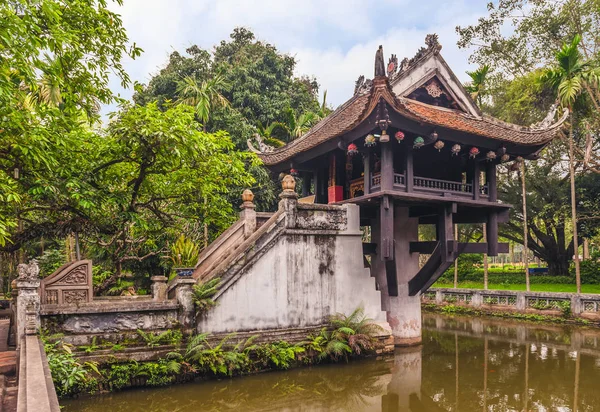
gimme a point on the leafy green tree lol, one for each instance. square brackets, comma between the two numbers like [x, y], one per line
[569, 78]
[54, 71]
[203, 96]
[477, 86]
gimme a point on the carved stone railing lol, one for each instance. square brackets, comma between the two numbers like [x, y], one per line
[583, 305]
[70, 284]
[399, 180]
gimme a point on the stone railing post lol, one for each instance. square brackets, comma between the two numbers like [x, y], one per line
[159, 288]
[289, 201]
[521, 301]
[576, 306]
[476, 299]
[184, 296]
[248, 214]
[28, 300]
[439, 297]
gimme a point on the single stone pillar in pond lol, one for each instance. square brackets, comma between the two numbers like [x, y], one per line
[404, 311]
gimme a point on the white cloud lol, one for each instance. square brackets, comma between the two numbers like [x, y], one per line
[334, 40]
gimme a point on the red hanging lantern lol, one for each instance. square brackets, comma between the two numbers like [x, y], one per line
[352, 149]
[399, 136]
[294, 172]
[473, 152]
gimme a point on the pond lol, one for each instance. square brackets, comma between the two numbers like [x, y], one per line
[464, 364]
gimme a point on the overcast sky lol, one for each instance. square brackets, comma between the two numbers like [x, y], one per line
[334, 40]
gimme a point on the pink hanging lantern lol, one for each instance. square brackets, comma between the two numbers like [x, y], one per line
[490, 155]
[352, 149]
[439, 145]
[505, 158]
[399, 136]
[455, 149]
[294, 172]
[473, 152]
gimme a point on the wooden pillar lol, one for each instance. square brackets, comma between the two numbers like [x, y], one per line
[444, 232]
[367, 171]
[492, 181]
[320, 185]
[408, 168]
[387, 166]
[476, 181]
[492, 234]
[306, 180]
[386, 243]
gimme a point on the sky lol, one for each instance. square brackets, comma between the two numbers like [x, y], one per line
[333, 40]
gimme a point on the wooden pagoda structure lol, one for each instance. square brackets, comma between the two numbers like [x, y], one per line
[411, 147]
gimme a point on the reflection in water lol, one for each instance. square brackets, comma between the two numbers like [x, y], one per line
[465, 364]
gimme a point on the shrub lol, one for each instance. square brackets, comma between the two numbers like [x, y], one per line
[590, 271]
[203, 293]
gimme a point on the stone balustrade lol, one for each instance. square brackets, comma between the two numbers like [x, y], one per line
[581, 305]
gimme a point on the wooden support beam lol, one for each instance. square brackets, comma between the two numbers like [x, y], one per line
[476, 181]
[367, 172]
[386, 228]
[387, 166]
[306, 183]
[392, 279]
[492, 234]
[473, 215]
[445, 234]
[409, 167]
[492, 181]
[369, 248]
[427, 247]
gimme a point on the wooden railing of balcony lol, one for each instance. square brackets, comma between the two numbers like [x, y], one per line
[426, 184]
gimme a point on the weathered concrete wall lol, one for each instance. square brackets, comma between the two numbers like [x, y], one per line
[306, 274]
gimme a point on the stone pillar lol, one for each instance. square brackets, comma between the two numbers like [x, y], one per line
[28, 300]
[159, 288]
[404, 313]
[184, 296]
[248, 214]
[289, 201]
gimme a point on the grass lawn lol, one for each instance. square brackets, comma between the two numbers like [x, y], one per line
[543, 287]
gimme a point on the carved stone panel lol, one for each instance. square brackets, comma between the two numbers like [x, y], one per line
[71, 284]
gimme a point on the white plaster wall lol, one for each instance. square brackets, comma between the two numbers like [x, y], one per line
[299, 282]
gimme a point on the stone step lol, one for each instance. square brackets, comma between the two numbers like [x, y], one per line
[8, 393]
[8, 362]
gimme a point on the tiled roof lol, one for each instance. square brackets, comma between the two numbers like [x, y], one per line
[359, 107]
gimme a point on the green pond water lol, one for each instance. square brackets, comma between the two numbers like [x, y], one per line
[464, 364]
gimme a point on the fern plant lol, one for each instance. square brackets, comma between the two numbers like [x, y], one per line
[91, 347]
[169, 337]
[184, 252]
[203, 293]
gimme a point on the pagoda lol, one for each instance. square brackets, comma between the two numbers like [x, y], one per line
[411, 147]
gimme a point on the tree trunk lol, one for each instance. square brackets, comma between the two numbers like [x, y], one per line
[525, 230]
[559, 266]
[574, 205]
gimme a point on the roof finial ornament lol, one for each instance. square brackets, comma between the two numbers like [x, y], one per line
[379, 63]
[392, 65]
[432, 42]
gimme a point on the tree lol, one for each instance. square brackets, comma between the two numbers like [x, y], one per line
[478, 84]
[151, 175]
[54, 65]
[568, 78]
[203, 96]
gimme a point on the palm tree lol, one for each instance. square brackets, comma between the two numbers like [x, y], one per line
[569, 78]
[204, 95]
[478, 83]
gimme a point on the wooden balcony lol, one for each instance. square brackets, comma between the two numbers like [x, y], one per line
[421, 185]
